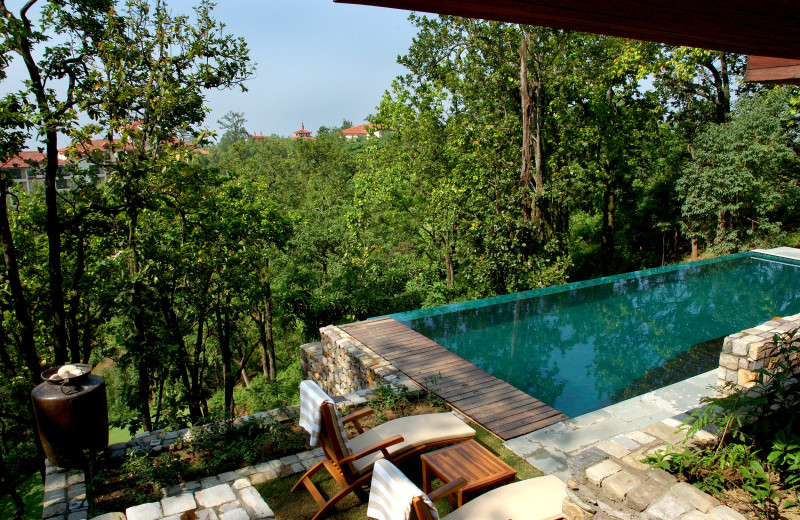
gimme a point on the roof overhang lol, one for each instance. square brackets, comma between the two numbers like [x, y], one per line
[766, 28]
[761, 69]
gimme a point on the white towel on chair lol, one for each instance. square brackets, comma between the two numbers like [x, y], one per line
[311, 399]
[391, 494]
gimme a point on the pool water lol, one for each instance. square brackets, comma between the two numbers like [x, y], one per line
[582, 346]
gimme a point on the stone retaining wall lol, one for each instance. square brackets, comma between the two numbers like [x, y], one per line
[340, 364]
[613, 483]
[749, 350]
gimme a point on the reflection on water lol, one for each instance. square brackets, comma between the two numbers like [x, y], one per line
[582, 349]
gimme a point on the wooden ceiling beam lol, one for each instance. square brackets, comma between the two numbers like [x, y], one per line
[762, 69]
[767, 28]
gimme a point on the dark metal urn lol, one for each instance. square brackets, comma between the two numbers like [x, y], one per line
[71, 414]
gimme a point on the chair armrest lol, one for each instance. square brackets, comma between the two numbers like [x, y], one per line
[355, 416]
[447, 489]
[379, 446]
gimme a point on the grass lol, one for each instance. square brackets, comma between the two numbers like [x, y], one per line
[116, 435]
[31, 490]
[301, 506]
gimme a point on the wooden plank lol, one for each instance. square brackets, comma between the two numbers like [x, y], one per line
[502, 429]
[489, 401]
[764, 69]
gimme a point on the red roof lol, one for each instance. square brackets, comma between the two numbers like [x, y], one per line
[357, 130]
[258, 137]
[24, 160]
[302, 132]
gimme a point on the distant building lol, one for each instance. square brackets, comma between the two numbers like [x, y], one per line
[27, 169]
[302, 133]
[364, 130]
[258, 137]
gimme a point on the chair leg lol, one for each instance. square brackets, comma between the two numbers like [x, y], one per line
[312, 489]
[340, 495]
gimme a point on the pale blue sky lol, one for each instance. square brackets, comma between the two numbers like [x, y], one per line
[317, 62]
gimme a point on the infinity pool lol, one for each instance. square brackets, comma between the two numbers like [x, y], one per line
[582, 346]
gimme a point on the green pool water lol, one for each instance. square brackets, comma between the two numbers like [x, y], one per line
[582, 346]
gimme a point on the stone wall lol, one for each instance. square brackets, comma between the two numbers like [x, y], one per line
[613, 483]
[749, 350]
[340, 365]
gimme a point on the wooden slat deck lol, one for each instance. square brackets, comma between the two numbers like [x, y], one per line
[490, 402]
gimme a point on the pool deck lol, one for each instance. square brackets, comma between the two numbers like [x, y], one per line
[549, 448]
[485, 399]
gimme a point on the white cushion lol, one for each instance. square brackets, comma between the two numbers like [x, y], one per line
[533, 499]
[417, 430]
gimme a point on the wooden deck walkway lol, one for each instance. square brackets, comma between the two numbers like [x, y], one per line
[490, 402]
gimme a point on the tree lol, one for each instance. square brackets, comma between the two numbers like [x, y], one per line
[741, 184]
[80, 25]
[150, 73]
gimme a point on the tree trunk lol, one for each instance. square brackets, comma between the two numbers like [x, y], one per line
[270, 333]
[527, 106]
[27, 347]
[74, 339]
[43, 101]
[223, 338]
[607, 231]
[54, 250]
[448, 264]
[695, 249]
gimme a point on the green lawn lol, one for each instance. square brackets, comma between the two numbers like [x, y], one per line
[31, 490]
[116, 435]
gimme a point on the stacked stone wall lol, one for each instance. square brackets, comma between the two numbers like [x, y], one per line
[340, 365]
[749, 350]
[612, 482]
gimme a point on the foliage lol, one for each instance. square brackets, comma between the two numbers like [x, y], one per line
[741, 183]
[228, 445]
[758, 447]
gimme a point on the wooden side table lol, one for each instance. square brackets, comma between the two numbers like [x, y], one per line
[481, 469]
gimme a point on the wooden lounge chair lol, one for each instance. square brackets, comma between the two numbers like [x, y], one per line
[533, 499]
[350, 461]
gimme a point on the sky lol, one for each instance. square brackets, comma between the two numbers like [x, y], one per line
[317, 63]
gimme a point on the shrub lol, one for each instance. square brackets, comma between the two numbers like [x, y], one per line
[758, 447]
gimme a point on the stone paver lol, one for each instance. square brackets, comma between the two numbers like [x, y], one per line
[55, 481]
[620, 484]
[228, 476]
[597, 473]
[666, 508]
[613, 449]
[229, 506]
[209, 482]
[546, 463]
[694, 515]
[236, 514]
[694, 496]
[150, 511]
[215, 496]
[178, 504]
[54, 509]
[254, 504]
[110, 516]
[725, 513]
[240, 484]
[643, 495]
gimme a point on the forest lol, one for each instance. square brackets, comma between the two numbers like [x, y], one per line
[509, 158]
